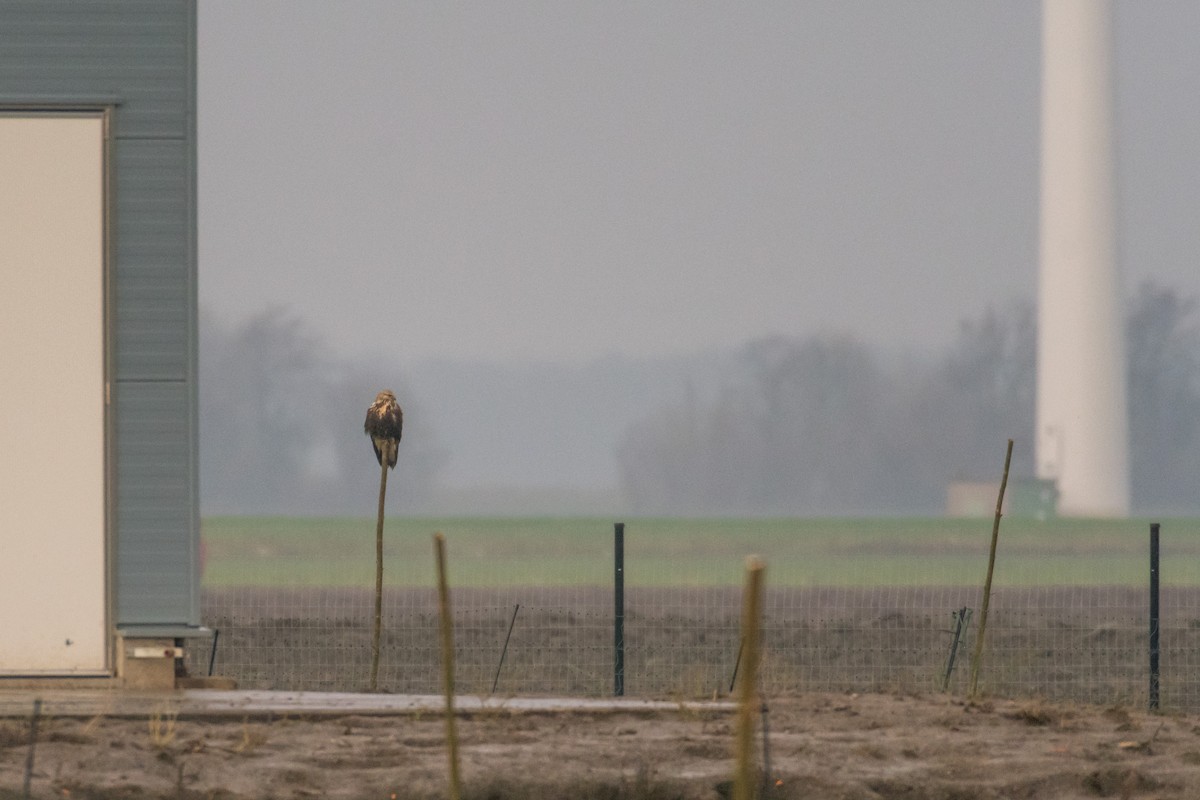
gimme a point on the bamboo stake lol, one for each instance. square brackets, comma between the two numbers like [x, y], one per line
[744, 783]
[977, 657]
[33, 735]
[439, 547]
[378, 623]
[504, 652]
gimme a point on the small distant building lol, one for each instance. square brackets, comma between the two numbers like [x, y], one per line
[972, 498]
[99, 522]
[1028, 498]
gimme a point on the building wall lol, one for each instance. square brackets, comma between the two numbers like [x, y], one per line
[139, 58]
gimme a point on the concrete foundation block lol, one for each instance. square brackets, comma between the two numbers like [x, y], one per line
[147, 663]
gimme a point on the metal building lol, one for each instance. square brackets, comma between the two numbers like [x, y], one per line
[99, 519]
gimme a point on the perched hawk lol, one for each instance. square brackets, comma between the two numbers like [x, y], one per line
[384, 421]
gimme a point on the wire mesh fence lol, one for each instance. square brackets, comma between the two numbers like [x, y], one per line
[1079, 641]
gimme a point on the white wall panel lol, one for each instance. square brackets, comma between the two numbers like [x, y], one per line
[53, 604]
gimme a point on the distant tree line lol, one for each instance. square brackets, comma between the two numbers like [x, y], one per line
[823, 426]
[1164, 399]
[281, 424]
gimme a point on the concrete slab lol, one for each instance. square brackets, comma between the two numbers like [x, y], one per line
[209, 703]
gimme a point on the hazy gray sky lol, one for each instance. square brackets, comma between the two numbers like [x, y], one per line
[570, 179]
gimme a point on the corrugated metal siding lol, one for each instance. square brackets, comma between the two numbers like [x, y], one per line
[139, 56]
[153, 270]
[137, 51]
[154, 554]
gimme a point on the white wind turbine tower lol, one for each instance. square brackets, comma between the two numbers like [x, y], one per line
[1082, 422]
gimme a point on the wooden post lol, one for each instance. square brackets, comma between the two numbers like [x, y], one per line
[447, 626]
[378, 623]
[987, 584]
[744, 783]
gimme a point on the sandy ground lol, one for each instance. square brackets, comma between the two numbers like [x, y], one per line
[838, 746]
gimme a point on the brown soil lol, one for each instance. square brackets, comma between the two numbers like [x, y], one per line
[820, 745]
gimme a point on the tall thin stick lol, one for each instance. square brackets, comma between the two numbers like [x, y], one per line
[33, 735]
[743, 784]
[987, 584]
[378, 624]
[504, 652]
[439, 548]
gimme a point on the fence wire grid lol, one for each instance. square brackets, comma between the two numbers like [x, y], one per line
[1087, 643]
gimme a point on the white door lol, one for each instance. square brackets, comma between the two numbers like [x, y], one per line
[53, 595]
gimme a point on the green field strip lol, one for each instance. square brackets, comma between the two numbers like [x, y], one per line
[487, 552]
